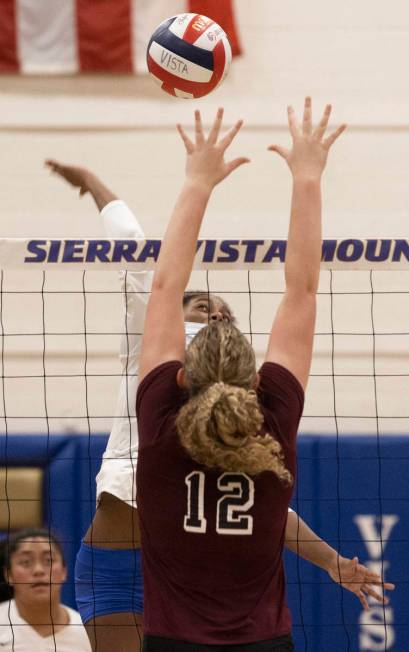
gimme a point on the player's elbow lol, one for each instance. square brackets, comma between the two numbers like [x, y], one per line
[163, 285]
[311, 287]
[308, 289]
[303, 284]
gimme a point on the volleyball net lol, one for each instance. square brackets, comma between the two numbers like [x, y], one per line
[61, 318]
[61, 322]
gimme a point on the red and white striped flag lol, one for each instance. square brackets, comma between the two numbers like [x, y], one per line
[70, 36]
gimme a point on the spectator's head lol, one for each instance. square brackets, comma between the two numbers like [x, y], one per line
[33, 567]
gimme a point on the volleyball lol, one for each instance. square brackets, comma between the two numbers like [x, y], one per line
[189, 55]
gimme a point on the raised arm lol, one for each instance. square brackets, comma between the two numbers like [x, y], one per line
[292, 332]
[83, 179]
[164, 337]
[118, 219]
[349, 573]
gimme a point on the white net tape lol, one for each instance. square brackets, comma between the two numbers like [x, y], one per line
[351, 253]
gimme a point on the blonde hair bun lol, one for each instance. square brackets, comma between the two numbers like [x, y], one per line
[234, 415]
[220, 424]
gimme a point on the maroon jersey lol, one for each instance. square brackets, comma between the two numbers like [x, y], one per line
[212, 541]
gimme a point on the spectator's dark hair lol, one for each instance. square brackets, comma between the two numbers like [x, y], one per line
[9, 546]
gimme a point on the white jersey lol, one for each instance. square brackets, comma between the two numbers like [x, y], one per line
[117, 473]
[16, 635]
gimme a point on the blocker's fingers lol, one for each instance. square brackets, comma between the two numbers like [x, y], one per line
[332, 138]
[282, 151]
[372, 578]
[236, 163]
[215, 130]
[374, 594]
[363, 600]
[292, 122]
[188, 143]
[307, 118]
[231, 135]
[199, 129]
[323, 124]
[375, 580]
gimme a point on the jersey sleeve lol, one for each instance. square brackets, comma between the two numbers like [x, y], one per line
[158, 400]
[120, 222]
[282, 400]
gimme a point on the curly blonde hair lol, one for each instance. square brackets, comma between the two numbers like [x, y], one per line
[220, 423]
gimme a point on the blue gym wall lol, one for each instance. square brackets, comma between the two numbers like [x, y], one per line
[344, 486]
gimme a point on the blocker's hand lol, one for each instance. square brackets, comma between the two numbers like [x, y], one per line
[309, 153]
[355, 577]
[205, 163]
[75, 176]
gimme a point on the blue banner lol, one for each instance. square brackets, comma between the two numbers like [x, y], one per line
[352, 490]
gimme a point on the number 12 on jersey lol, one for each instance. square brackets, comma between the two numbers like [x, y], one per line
[237, 498]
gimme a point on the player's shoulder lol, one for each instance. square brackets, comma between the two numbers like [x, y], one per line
[159, 376]
[281, 397]
[158, 395]
[275, 377]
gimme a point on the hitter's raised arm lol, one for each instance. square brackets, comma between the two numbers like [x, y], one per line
[118, 219]
[164, 337]
[83, 179]
[292, 332]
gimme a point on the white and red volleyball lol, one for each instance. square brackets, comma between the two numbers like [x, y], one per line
[189, 55]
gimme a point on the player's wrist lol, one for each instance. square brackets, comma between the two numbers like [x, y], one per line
[199, 184]
[90, 181]
[334, 564]
[307, 178]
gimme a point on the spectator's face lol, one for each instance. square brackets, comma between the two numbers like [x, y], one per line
[37, 572]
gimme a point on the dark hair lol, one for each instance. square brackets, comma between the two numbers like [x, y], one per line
[9, 546]
[189, 295]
